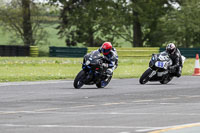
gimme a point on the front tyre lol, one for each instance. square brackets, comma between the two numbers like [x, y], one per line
[145, 76]
[78, 80]
[104, 83]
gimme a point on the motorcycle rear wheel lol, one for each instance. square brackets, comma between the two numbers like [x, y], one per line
[78, 80]
[144, 78]
[166, 80]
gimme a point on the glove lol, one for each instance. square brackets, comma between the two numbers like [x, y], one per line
[109, 71]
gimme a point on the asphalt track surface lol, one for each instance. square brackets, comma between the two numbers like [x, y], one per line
[124, 106]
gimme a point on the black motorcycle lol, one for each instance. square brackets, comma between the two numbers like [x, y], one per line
[93, 71]
[158, 69]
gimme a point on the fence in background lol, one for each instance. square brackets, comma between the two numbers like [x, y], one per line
[122, 52]
[187, 52]
[13, 50]
[8, 50]
[133, 52]
[67, 52]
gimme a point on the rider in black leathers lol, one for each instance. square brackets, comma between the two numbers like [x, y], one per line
[175, 55]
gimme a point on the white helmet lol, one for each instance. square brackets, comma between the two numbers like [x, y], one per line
[171, 48]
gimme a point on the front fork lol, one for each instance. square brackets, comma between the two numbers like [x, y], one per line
[152, 73]
[88, 72]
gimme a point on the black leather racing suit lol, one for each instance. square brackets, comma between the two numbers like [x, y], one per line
[176, 68]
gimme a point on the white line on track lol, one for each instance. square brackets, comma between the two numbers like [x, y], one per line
[107, 104]
[33, 83]
[167, 103]
[138, 101]
[29, 112]
[48, 109]
[74, 126]
[83, 106]
[170, 98]
[195, 96]
[95, 113]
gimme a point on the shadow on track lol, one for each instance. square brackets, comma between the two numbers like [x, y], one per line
[158, 84]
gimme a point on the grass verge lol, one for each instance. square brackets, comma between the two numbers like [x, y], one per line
[45, 68]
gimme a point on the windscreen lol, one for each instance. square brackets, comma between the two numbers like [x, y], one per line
[163, 56]
[95, 54]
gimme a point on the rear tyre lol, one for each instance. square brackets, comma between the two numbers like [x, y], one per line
[78, 80]
[144, 78]
[105, 83]
[166, 80]
[99, 85]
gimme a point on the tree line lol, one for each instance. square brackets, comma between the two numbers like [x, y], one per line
[91, 22]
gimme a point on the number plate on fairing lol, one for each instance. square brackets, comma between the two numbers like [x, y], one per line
[160, 64]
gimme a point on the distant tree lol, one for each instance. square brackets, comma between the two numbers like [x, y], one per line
[2, 3]
[140, 19]
[21, 17]
[27, 25]
[136, 21]
[86, 21]
[183, 25]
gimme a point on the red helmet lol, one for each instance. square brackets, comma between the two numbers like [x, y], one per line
[106, 48]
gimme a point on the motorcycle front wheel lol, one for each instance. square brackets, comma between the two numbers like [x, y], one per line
[78, 80]
[145, 76]
[104, 83]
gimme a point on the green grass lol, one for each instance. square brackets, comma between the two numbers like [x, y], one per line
[30, 69]
[44, 68]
